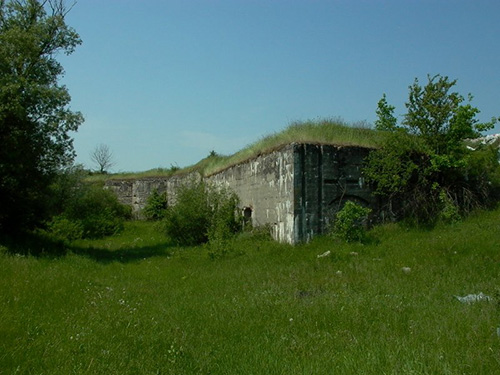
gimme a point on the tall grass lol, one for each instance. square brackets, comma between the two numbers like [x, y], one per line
[333, 131]
[133, 304]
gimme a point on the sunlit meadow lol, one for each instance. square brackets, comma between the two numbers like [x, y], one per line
[133, 304]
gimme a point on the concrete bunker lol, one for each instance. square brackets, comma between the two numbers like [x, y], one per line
[295, 189]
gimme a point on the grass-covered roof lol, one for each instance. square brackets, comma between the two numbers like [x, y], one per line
[335, 132]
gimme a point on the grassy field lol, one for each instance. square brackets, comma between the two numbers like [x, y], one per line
[133, 304]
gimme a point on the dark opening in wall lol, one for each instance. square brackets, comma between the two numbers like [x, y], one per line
[247, 216]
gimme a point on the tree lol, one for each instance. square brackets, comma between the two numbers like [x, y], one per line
[103, 157]
[35, 119]
[385, 116]
[439, 117]
[424, 167]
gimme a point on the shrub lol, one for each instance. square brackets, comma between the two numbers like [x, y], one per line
[90, 212]
[201, 213]
[450, 212]
[156, 206]
[61, 227]
[98, 210]
[224, 224]
[350, 222]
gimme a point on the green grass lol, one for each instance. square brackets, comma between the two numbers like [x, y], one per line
[133, 304]
[330, 131]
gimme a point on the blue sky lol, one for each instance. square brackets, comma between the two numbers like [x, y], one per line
[164, 82]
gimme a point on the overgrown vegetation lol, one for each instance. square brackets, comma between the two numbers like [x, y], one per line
[156, 206]
[79, 209]
[132, 303]
[423, 167]
[91, 212]
[351, 222]
[202, 213]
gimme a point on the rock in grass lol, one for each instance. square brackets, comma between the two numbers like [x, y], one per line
[471, 298]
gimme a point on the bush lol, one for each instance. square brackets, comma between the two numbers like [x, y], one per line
[156, 206]
[201, 213]
[90, 212]
[224, 223]
[61, 227]
[98, 211]
[350, 222]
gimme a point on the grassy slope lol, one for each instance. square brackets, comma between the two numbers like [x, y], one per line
[132, 304]
[321, 132]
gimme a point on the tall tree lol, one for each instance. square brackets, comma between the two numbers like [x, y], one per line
[35, 118]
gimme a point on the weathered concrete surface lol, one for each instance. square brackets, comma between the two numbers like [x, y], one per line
[296, 190]
[135, 192]
[265, 186]
[325, 178]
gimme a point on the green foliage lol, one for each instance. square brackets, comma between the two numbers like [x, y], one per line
[450, 213]
[156, 206]
[98, 211]
[423, 168]
[350, 222]
[201, 213]
[224, 223]
[385, 116]
[440, 118]
[63, 228]
[35, 119]
[87, 211]
[187, 221]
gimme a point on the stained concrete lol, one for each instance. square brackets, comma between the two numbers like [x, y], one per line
[264, 186]
[135, 192]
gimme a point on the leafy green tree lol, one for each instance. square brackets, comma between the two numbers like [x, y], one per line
[440, 117]
[385, 116]
[35, 119]
[424, 167]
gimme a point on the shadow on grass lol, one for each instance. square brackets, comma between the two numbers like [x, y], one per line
[34, 244]
[37, 245]
[123, 255]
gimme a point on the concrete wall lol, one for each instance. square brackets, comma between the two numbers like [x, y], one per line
[326, 177]
[296, 189]
[265, 186]
[135, 192]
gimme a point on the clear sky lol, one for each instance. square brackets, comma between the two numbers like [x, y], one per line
[164, 82]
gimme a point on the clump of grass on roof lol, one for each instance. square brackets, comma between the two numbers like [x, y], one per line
[328, 131]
